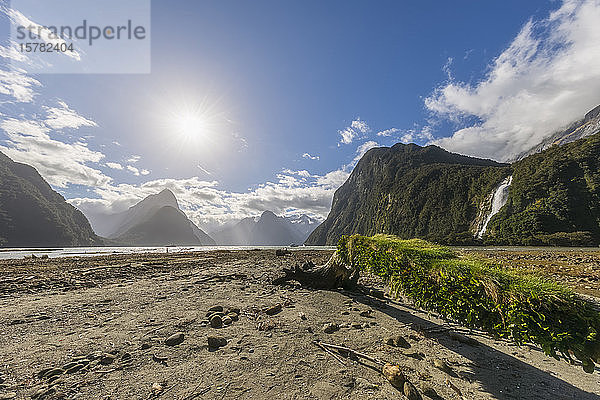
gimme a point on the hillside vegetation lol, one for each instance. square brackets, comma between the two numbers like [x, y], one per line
[32, 214]
[428, 193]
[554, 198]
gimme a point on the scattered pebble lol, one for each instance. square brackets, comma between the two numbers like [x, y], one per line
[393, 374]
[214, 342]
[302, 316]
[397, 341]
[216, 321]
[227, 320]
[174, 339]
[274, 309]
[53, 372]
[156, 388]
[215, 309]
[331, 327]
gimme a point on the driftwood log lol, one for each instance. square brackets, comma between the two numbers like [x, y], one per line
[334, 274]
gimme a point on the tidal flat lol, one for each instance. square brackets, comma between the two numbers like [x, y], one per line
[211, 325]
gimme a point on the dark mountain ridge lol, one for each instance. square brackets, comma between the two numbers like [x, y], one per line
[157, 221]
[551, 197]
[34, 215]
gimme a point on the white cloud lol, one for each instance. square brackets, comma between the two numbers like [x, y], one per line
[44, 34]
[11, 52]
[64, 117]
[134, 159]
[114, 165]
[18, 85]
[357, 130]
[548, 77]
[59, 163]
[388, 132]
[295, 193]
[133, 170]
[309, 157]
[144, 172]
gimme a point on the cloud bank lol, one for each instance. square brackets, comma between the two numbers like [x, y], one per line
[548, 77]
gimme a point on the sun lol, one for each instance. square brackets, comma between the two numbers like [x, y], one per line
[190, 125]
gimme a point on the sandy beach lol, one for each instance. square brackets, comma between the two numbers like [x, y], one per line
[136, 327]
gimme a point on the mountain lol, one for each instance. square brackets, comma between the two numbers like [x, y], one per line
[154, 221]
[554, 198]
[32, 214]
[411, 191]
[587, 126]
[268, 229]
[548, 198]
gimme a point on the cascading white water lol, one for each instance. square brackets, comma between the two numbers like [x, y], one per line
[498, 201]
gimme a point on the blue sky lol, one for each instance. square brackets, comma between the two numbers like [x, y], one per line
[279, 99]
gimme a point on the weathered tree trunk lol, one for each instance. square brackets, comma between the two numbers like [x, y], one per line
[332, 275]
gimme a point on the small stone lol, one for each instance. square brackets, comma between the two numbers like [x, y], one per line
[234, 310]
[43, 372]
[274, 309]
[366, 313]
[345, 312]
[282, 252]
[442, 366]
[411, 392]
[302, 316]
[216, 309]
[2, 379]
[174, 339]
[393, 374]
[107, 359]
[74, 368]
[331, 327]
[214, 342]
[227, 320]
[397, 341]
[160, 358]
[145, 346]
[53, 372]
[216, 322]
[429, 392]
[156, 388]
[234, 316]
[357, 325]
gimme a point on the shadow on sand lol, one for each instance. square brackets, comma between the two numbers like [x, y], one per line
[501, 375]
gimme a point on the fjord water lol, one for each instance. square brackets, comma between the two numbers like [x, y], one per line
[498, 201]
[16, 253]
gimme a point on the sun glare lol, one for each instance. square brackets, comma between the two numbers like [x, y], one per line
[191, 126]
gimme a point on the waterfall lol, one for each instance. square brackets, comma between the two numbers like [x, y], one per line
[498, 201]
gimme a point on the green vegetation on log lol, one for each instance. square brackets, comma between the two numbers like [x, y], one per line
[511, 303]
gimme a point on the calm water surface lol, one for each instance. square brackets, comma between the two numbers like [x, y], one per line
[7, 253]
